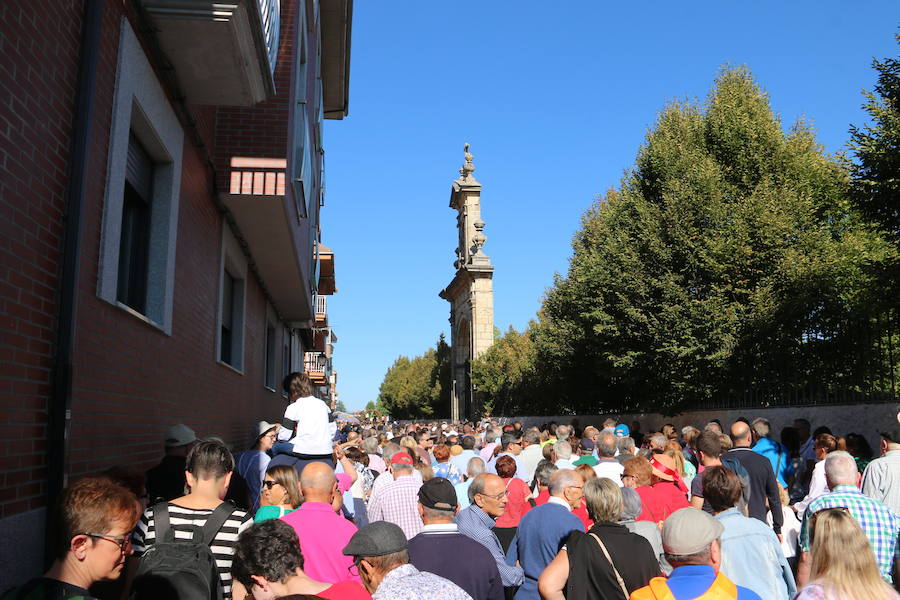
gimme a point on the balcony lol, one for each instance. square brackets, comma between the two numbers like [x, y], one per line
[315, 364]
[268, 223]
[321, 311]
[327, 283]
[223, 53]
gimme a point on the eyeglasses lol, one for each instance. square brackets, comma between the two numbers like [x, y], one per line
[353, 569]
[498, 496]
[122, 541]
[271, 436]
[270, 483]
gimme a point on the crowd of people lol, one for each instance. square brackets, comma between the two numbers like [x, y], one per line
[319, 508]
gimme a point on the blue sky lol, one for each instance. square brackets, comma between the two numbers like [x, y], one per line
[555, 98]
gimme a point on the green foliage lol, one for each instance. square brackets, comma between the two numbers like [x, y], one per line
[339, 406]
[371, 405]
[727, 259]
[418, 387]
[504, 376]
[876, 176]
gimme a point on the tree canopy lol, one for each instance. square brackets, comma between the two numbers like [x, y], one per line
[418, 387]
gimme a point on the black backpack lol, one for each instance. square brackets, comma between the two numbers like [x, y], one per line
[180, 569]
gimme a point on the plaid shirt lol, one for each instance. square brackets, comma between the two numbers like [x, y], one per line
[398, 504]
[878, 522]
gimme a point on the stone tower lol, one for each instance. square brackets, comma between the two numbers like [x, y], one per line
[470, 293]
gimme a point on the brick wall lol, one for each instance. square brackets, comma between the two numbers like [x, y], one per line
[37, 91]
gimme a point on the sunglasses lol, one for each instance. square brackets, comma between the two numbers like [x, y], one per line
[269, 483]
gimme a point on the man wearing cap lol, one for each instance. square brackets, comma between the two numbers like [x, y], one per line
[379, 552]
[396, 502]
[488, 497]
[881, 479]
[622, 430]
[166, 480]
[471, 566]
[607, 465]
[586, 451]
[690, 539]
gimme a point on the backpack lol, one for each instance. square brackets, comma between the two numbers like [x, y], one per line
[180, 569]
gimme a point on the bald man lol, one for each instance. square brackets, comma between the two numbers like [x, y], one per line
[323, 533]
[762, 477]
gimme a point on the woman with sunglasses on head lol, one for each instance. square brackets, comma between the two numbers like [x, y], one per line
[280, 493]
[843, 565]
[94, 520]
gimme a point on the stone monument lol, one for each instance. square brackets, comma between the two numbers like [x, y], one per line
[470, 293]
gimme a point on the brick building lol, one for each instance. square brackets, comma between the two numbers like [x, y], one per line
[160, 254]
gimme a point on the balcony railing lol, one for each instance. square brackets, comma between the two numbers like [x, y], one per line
[321, 305]
[315, 364]
[257, 176]
[270, 15]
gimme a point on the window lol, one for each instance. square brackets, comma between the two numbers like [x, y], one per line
[286, 356]
[271, 350]
[232, 287]
[143, 180]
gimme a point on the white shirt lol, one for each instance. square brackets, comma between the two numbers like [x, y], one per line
[564, 463]
[611, 469]
[314, 432]
[560, 501]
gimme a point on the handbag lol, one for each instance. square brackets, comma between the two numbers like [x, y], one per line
[615, 571]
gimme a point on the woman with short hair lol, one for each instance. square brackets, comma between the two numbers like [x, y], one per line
[517, 503]
[443, 467]
[606, 562]
[843, 564]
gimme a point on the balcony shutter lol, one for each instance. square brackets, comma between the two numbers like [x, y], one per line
[139, 168]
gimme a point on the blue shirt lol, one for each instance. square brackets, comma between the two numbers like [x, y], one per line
[752, 556]
[778, 456]
[521, 471]
[478, 525]
[462, 460]
[542, 532]
[690, 581]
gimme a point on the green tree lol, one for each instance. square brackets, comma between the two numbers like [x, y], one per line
[443, 377]
[505, 375]
[410, 388]
[339, 406]
[876, 175]
[726, 260]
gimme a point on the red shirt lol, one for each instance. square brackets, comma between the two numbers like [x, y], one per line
[345, 590]
[660, 500]
[582, 513]
[516, 503]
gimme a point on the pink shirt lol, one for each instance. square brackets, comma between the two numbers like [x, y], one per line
[487, 453]
[323, 535]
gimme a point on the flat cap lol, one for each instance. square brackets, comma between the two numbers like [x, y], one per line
[376, 539]
[892, 434]
[689, 530]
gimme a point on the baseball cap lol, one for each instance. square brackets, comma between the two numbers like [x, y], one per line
[892, 434]
[401, 458]
[622, 431]
[376, 539]
[587, 444]
[438, 493]
[180, 435]
[689, 530]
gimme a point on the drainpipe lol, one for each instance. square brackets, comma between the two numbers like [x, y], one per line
[79, 153]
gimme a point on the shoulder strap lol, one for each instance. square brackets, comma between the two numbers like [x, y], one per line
[161, 520]
[611, 563]
[215, 521]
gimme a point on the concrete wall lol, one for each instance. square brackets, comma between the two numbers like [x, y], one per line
[865, 419]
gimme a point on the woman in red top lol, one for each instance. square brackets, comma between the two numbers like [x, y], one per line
[516, 503]
[656, 487]
[587, 473]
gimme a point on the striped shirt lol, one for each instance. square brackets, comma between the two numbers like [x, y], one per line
[182, 520]
[877, 521]
[398, 503]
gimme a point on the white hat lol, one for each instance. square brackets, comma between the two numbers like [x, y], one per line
[262, 427]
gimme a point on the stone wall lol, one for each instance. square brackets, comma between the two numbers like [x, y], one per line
[866, 419]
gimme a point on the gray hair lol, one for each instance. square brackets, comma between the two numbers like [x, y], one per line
[532, 436]
[477, 487]
[606, 445]
[563, 432]
[389, 451]
[761, 427]
[625, 445]
[604, 499]
[631, 504]
[475, 467]
[563, 449]
[840, 467]
[698, 558]
[562, 479]
[370, 445]
[543, 472]
[489, 436]
[403, 468]
[659, 441]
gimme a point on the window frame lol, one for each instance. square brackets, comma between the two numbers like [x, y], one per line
[233, 264]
